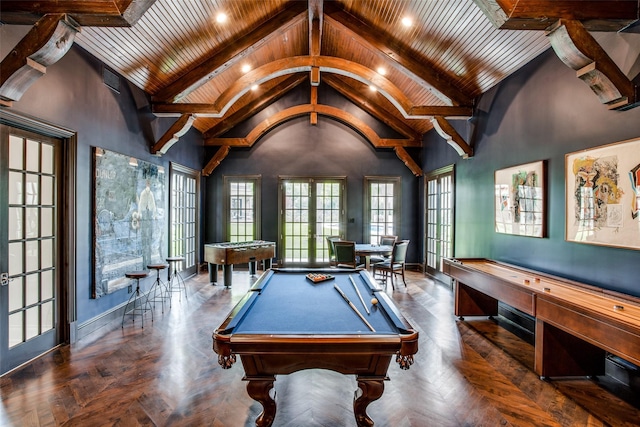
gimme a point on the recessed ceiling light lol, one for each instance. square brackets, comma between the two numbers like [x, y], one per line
[407, 22]
[254, 87]
[221, 18]
[382, 71]
[246, 68]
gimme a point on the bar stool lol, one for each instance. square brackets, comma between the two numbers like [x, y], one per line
[138, 306]
[159, 290]
[179, 285]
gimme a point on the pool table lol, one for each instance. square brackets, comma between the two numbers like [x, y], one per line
[287, 322]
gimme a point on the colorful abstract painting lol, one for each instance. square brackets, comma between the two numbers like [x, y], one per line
[602, 204]
[519, 200]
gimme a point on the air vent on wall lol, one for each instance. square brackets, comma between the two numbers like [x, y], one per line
[111, 79]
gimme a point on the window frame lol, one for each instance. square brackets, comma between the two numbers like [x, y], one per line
[397, 205]
[257, 206]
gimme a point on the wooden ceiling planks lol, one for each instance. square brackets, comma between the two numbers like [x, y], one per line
[437, 66]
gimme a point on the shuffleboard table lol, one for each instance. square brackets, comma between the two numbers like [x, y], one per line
[288, 322]
[229, 253]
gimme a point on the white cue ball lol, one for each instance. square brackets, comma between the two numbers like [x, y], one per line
[374, 301]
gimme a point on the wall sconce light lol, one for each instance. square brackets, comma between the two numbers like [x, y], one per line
[133, 162]
[99, 152]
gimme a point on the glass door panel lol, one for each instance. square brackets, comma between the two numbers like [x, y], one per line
[185, 190]
[439, 221]
[312, 210]
[29, 250]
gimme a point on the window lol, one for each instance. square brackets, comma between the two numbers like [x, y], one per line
[382, 204]
[439, 188]
[242, 197]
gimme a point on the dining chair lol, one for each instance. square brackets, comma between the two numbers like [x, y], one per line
[345, 252]
[330, 248]
[384, 241]
[395, 265]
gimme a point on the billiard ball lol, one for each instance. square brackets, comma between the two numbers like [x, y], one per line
[374, 301]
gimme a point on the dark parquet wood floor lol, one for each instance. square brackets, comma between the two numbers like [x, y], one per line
[466, 373]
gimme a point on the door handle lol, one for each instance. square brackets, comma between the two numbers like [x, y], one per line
[4, 279]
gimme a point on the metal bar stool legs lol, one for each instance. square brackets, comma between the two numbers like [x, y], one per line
[159, 291]
[176, 282]
[139, 307]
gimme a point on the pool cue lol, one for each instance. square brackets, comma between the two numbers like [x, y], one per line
[359, 294]
[353, 307]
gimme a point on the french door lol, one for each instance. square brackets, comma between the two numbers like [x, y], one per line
[311, 209]
[31, 182]
[185, 193]
[439, 220]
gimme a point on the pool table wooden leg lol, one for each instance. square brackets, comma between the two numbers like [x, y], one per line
[372, 389]
[258, 388]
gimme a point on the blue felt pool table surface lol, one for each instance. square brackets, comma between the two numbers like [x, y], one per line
[287, 302]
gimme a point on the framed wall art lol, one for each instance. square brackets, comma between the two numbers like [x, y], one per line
[603, 195]
[520, 200]
[129, 218]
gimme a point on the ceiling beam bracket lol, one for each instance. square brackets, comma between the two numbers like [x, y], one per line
[453, 138]
[408, 161]
[577, 49]
[216, 160]
[171, 136]
[48, 41]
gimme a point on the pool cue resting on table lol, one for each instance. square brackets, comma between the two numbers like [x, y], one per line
[353, 307]
[359, 294]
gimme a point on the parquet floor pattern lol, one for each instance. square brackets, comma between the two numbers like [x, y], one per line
[466, 373]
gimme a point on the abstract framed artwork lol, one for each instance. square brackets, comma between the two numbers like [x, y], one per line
[520, 199]
[129, 218]
[603, 195]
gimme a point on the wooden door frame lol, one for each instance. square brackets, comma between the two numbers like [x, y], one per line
[67, 324]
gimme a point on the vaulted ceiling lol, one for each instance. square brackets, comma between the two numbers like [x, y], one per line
[213, 75]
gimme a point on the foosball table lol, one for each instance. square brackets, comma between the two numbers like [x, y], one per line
[229, 253]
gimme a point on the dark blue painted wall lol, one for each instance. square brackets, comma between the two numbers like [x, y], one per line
[72, 95]
[540, 113]
[330, 148]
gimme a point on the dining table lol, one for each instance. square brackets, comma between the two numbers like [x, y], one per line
[366, 250]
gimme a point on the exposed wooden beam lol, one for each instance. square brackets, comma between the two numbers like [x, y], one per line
[453, 138]
[325, 110]
[216, 160]
[305, 63]
[173, 134]
[408, 161]
[399, 56]
[376, 111]
[96, 13]
[255, 106]
[428, 111]
[313, 117]
[580, 51]
[596, 15]
[47, 41]
[316, 17]
[299, 64]
[232, 53]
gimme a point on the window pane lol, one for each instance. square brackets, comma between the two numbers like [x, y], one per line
[15, 329]
[15, 223]
[33, 322]
[15, 152]
[16, 294]
[16, 189]
[47, 158]
[33, 155]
